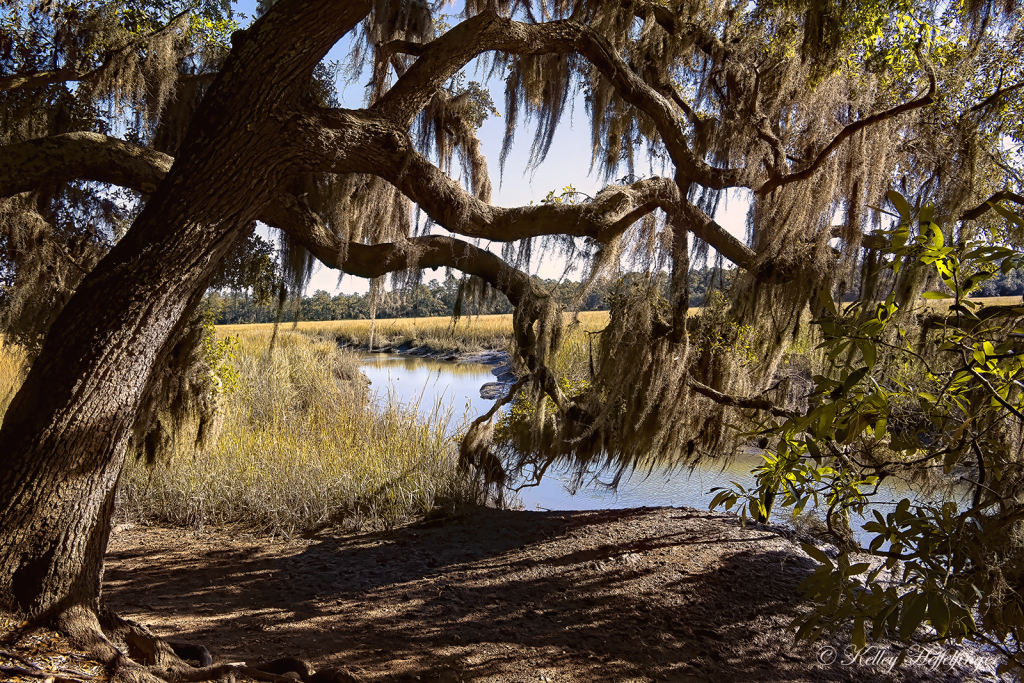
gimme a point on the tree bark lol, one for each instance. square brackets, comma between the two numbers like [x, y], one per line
[65, 432]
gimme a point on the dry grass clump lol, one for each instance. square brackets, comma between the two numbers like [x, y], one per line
[300, 448]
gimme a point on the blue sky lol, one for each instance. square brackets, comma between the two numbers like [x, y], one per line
[568, 163]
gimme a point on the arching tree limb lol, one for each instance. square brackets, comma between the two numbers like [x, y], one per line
[293, 216]
[738, 401]
[90, 156]
[444, 56]
[996, 95]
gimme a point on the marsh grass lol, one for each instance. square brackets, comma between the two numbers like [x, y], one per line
[471, 333]
[301, 448]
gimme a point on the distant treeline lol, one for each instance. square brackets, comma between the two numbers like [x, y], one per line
[435, 298]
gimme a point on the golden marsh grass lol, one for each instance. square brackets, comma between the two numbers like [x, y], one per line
[300, 448]
[471, 333]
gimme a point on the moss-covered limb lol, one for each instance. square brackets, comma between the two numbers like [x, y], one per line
[535, 343]
[738, 401]
[487, 31]
[370, 261]
[25, 166]
[92, 156]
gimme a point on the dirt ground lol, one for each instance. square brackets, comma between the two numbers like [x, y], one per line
[623, 595]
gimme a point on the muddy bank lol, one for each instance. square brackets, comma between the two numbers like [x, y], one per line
[667, 594]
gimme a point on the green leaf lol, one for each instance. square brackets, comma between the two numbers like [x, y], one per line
[913, 614]
[817, 554]
[807, 626]
[867, 350]
[938, 613]
[900, 203]
[902, 508]
[858, 568]
[855, 377]
[859, 638]
[826, 299]
[813, 449]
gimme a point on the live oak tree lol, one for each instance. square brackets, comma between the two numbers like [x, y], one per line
[814, 109]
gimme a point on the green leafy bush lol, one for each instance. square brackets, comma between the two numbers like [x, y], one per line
[929, 396]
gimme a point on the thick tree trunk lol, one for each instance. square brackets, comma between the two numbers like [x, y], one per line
[64, 435]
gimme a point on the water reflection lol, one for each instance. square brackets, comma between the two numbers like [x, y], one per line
[434, 384]
[428, 383]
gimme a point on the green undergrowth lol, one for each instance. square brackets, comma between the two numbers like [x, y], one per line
[301, 448]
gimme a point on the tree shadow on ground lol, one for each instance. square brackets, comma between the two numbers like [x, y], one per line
[655, 594]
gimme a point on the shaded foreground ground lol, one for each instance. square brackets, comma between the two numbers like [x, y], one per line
[625, 595]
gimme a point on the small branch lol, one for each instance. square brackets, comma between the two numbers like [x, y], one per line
[507, 398]
[620, 226]
[848, 131]
[701, 225]
[24, 660]
[54, 676]
[986, 206]
[738, 401]
[403, 47]
[996, 95]
[682, 104]
[980, 484]
[39, 79]
[995, 394]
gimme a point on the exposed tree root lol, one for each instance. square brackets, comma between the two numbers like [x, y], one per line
[134, 654]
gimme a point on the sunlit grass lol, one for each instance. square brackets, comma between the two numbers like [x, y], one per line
[301, 448]
[471, 333]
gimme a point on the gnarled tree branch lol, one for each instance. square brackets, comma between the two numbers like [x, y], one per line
[441, 58]
[293, 216]
[985, 206]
